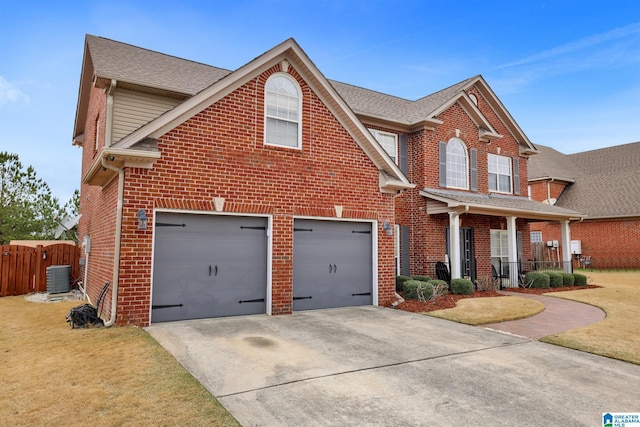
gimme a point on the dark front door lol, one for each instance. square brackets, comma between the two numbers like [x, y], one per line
[332, 264]
[467, 255]
[208, 266]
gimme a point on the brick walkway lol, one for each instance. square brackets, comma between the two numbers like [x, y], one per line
[559, 315]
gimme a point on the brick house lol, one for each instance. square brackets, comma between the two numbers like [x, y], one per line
[270, 189]
[465, 153]
[604, 185]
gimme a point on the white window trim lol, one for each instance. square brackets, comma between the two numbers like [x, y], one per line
[466, 154]
[498, 175]
[299, 122]
[375, 134]
[504, 251]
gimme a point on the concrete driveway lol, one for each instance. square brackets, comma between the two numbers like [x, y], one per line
[378, 366]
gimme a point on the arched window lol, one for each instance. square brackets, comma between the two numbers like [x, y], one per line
[457, 164]
[283, 101]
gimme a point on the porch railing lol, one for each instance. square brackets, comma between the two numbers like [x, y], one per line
[511, 274]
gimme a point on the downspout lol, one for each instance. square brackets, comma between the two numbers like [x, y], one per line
[549, 188]
[116, 255]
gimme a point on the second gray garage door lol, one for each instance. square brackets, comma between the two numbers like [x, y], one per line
[332, 264]
[208, 266]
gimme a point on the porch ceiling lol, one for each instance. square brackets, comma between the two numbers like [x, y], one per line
[445, 201]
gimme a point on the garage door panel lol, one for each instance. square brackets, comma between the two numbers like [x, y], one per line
[332, 264]
[211, 267]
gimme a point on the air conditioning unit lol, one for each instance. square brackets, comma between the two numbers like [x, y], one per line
[58, 279]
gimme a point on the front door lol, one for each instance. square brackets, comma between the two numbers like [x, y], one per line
[467, 255]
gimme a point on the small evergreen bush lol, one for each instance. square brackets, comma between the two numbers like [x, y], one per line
[410, 289]
[555, 280]
[540, 280]
[400, 282]
[421, 278]
[461, 286]
[580, 279]
[567, 279]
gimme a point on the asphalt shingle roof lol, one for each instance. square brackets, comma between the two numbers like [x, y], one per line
[369, 102]
[500, 201]
[125, 62]
[606, 181]
[132, 64]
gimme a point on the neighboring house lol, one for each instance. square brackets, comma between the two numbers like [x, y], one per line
[604, 185]
[269, 189]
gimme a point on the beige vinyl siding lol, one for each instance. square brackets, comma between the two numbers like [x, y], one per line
[132, 109]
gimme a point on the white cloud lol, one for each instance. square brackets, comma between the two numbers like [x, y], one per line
[614, 49]
[587, 42]
[10, 93]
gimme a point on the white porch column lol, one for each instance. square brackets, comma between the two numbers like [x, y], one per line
[565, 228]
[454, 244]
[512, 249]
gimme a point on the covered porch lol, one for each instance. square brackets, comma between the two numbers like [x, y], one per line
[505, 241]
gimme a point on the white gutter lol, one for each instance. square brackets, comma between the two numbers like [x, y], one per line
[116, 255]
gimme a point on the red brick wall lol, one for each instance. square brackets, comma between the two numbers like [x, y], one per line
[610, 244]
[97, 206]
[428, 231]
[541, 192]
[220, 153]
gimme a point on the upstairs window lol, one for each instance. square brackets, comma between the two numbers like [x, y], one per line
[499, 173]
[457, 166]
[282, 112]
[388, 141]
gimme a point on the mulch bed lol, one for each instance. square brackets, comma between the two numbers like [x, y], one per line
[450, 300]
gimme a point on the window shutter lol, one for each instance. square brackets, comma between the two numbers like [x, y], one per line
[405, 262]
[516, 176]
[402, 154]
[443, 163]
[474, 169]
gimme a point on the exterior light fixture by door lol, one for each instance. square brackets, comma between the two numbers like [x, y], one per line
[143, 220]
[386, 226]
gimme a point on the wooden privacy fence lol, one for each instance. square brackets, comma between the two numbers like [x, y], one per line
[23, 269]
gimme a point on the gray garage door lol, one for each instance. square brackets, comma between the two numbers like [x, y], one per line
[332, 264]
[208, 266]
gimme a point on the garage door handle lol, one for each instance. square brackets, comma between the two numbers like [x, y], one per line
[333, 268]
[215, 270]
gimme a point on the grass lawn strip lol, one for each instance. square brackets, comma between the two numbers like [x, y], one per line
[481, 311]
[53, 375]
[617, 335]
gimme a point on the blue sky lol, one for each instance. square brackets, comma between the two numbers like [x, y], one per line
[568, 71]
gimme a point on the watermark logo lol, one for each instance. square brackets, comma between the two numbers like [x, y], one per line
[620, 419]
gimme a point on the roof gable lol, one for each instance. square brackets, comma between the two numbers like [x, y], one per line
[106, 60]
[392, 179]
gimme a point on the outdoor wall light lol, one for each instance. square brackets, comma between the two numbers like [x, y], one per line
[143, 220]
[386, 226]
